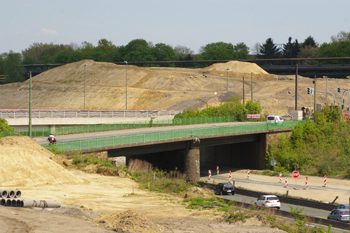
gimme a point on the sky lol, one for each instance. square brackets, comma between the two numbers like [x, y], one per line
[190, 23]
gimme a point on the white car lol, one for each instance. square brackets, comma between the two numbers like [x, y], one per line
[273, 119]
[270, 201]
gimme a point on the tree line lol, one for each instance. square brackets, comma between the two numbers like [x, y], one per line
[138, 50]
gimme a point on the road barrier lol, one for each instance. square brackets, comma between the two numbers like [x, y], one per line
[209, 174]
[64, 130]
[230, 176]
[217, 170]
[248, 173]
[170, 135]
[324, 180]
[280, 177]
[285, 182]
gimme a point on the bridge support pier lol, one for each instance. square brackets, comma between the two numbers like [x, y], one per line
[192, 164]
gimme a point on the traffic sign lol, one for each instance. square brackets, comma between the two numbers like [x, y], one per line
[295, 174]
[15, 132]
[273, 162]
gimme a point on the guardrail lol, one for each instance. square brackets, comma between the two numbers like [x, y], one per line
[169, 135]
[44, 113]
[289, 200]
[63, 130]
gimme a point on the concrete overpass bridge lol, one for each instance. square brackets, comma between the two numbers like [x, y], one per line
[184, 147]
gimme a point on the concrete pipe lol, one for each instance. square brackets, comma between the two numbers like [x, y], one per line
[8, 202]
[13, 202]
[10, 193]
[3, 202]
[19, 203]
[18, 194]
[3, 193]
[41, 203]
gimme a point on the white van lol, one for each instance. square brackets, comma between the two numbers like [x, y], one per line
[273, 119]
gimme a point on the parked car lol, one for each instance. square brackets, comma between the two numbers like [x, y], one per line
[270, 201]
[224, 188]
[273, 119]
[341, 215]
[342, 206]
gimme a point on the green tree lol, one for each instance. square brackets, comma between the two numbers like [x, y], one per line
[44, 53]
[163, 52]
[310, 41]
[62, 57]
[335, 49]
[242, 51]
[2, 66]
[14, 69]
[217, 51]
[290, 49]
[253, 107]
[4, 125]
[107, 47]
[269, 50]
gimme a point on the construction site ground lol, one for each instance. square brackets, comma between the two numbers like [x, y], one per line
[118, 201]
[98, 203]
[104, 85]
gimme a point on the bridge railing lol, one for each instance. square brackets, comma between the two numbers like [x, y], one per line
[64, 130]
[170, 135]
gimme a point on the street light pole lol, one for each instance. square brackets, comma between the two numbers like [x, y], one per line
[126, 85]
[227, 84]
[84, 84]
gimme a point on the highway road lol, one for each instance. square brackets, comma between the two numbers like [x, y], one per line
[128, 132]
[286, 207]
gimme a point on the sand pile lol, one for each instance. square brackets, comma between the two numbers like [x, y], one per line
[237, 67]
[130, 221]
[23, 162]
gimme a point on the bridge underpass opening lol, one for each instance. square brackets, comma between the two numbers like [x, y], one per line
[246, 152]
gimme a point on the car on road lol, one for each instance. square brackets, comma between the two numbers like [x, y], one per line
[341, 206]
[341, 215]
[270, 201]
[274, 119]
[224, 188]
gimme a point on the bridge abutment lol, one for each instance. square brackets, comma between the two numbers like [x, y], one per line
[192, 164]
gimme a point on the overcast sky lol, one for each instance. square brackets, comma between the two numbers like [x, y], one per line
[192, 23]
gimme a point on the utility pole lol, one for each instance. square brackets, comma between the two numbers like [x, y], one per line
[296, 87]
[243, 92]
[30, 104]
[326, 92]
[251, 85]
[315, 95]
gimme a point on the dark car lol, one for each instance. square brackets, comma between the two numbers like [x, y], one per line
[224, 188]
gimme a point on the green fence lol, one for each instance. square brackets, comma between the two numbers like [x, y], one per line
[119, 126]
[170, 135]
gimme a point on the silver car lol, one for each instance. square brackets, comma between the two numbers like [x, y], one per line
[341, 215]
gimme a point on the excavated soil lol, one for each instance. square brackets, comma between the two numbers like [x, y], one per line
[163, 88]
[93, 202]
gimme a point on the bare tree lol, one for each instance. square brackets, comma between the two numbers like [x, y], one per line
[341, 36]
[255, 49]
[183, 51]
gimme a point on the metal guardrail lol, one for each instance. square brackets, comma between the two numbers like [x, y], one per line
[170, 135]
[289, 200]
[44, 113]
[64, 130]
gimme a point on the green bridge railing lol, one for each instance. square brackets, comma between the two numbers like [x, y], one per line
[169, 135]
[119, 126]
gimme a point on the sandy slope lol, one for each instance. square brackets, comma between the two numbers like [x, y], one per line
[162, 88]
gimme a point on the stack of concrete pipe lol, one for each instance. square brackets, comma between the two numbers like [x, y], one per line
[12, 198]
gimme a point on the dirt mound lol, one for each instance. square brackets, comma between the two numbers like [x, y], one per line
[129, 221]
[25, 163]
[236, 67]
